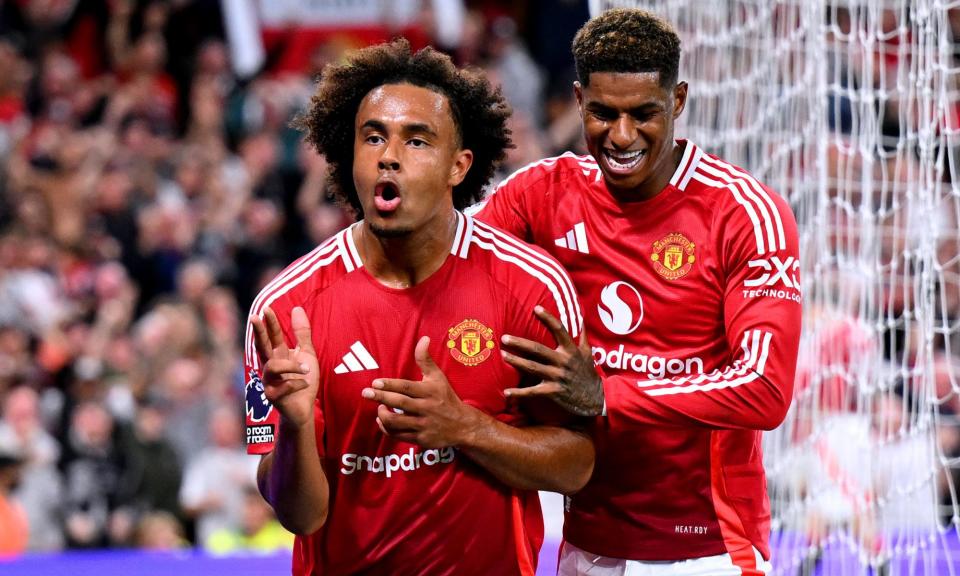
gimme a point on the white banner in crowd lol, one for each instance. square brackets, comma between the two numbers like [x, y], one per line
[336, 13]
[246, 21]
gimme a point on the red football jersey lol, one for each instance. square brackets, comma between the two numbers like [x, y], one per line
[694, 318]
[396, 508]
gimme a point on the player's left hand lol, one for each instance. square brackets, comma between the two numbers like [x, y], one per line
[567, 373]
[426, 412]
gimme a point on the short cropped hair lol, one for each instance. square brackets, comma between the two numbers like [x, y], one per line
[627, 40]
[479, 111]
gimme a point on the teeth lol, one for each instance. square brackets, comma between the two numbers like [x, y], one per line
[624, 156]
[625, 161]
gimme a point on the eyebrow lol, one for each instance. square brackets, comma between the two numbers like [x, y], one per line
[643, 108]
[412, 128]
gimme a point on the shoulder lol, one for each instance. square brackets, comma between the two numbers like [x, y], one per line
[504, 255]
[528, 272]
[566, 165]
[310, 274]
[516, 201]
[743, 203]
[732, 185]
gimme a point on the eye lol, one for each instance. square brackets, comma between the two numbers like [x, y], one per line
[604, 115]
[417, 143]
[374, 139]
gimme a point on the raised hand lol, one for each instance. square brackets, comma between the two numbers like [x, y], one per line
[567, 374]
[291, 377]
[426, 412]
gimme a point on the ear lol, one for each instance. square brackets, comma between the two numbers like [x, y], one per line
[578, 94]
[462, 161]
[679, 98]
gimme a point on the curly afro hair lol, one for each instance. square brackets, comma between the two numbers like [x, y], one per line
[627, 40]
[480, 112]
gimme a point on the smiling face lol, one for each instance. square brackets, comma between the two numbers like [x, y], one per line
[406, 159]
[628, 126]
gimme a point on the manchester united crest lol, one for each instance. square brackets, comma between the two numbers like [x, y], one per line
[673, 256]
[470, 342]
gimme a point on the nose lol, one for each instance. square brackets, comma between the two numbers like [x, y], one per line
[389, 159]
[623, 132]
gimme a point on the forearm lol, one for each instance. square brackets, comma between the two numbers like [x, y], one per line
[292, 480]
[730, 398]
[534, 458]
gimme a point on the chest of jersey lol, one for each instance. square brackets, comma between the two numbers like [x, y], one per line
[648, 275]
[374, 333]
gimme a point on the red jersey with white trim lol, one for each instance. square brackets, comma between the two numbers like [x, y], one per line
[693, 313]
[396, 508]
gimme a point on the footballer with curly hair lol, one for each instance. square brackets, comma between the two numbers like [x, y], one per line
[376, 383]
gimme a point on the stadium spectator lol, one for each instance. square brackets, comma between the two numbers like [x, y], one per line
[188, 408]
[160, 530]
[14, 527]
[40, 490]
[160, 469]
[655, 232]
[259, 530]
[100, 479]
[217, 477]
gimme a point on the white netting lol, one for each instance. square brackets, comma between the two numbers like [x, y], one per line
[849, 108]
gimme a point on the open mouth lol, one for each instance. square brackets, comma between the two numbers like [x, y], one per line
[386, 197]
[623, 161]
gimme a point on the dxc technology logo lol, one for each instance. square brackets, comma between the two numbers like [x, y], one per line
[620, 308]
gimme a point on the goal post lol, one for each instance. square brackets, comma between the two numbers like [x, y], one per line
[850, 109]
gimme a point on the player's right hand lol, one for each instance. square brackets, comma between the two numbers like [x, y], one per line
[567, 373]
[291, 377]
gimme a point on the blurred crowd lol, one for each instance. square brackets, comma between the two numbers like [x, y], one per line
[147, 192]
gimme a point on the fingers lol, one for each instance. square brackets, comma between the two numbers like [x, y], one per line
[532, 349]
[422, 356]
[281, 389]
[391, 400]
[540, 371]
[584, 344]
[393, 424]
[408, 388]
[556, 328]
[542, 389]
[301, 330]
[280, 367]
[260, 339]
[274, 331]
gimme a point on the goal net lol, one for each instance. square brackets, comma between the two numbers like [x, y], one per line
[850, 109]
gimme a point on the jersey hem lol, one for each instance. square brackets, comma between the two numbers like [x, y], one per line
[651, 551]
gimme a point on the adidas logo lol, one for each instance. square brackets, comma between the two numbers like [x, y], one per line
[575, 239]
[356, 360]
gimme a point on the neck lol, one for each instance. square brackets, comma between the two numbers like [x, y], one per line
[405, 261]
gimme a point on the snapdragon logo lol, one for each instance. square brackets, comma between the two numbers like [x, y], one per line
[652, 366]
[390, 463]
[620, 308]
